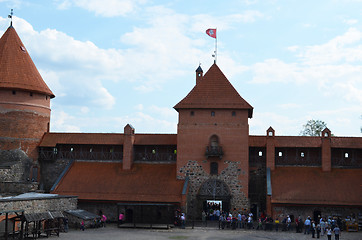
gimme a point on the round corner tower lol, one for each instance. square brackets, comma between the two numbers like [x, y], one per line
[24, 98]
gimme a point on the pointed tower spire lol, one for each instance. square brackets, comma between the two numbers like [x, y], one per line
[18, 71]
[199, 74]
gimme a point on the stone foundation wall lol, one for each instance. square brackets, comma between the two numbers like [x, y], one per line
[13, 188]
[14, 166]
[39, 205]
[305, 211]
[230, 176]
[50, 171]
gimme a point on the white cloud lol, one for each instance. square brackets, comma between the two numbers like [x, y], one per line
[164, 111]
[347, 47]
[201, 22]
[110, 8]
[103, 98]
[275, 70]
[287, 106]
[282, 125]
[350, 21]
[139, 107]
[334, 67]
[84, 110]
[61, 121]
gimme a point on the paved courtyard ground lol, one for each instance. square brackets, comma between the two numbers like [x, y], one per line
[112, 232]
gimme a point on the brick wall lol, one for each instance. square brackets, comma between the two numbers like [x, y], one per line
[232, 131]
[24, 118]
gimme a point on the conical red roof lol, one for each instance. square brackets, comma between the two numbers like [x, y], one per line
[17, 70]
[214, 91]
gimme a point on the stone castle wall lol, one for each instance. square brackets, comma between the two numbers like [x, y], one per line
[39, 205]
[14, 166]
[50, 171]
[305, 211]
[230, 176]
[15, 173]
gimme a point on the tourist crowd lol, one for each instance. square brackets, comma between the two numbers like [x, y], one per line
[315, 227]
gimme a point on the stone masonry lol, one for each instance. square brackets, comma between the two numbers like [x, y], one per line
[197, 176]
[38, 205]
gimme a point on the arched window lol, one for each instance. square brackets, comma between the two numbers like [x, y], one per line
[214, 141]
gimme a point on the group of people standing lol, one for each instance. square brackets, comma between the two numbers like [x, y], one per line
[236, 220]
[316, 228]
[322, 227]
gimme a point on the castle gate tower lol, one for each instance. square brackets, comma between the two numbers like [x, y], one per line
[212, 144]
[24, 99]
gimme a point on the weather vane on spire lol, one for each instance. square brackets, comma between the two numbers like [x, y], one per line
[11, 17]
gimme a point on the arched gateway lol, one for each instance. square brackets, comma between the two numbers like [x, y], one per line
[214, 191]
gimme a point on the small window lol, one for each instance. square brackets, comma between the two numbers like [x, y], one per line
[302, 154]
[346, 155]
[31, 94]
[212, 114]
[14, 92]
[192, 113]
[55, 151]
[71, 149]
[34, 175]
[214, 168]
[46, 97]
[270, 134]
[280, 154]
[326, 134]
[260, 153]
[233, 113]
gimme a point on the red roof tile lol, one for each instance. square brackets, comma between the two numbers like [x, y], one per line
[307, 185]
[52, 139]
[298, 141]
[346, 142]
[257, 141]
[155, 139]
[107, 181]
[17, 70]
[214, 91]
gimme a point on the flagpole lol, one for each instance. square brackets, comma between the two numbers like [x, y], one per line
[215, 47]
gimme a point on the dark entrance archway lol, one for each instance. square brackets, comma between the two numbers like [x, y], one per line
[213, 190]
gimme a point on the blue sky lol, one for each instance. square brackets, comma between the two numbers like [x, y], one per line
[115, 62]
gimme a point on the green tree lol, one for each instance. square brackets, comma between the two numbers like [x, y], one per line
[313, 128]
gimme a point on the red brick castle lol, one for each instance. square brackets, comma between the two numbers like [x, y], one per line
[212, 157]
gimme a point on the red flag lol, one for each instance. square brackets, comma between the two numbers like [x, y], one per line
[211, 32]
